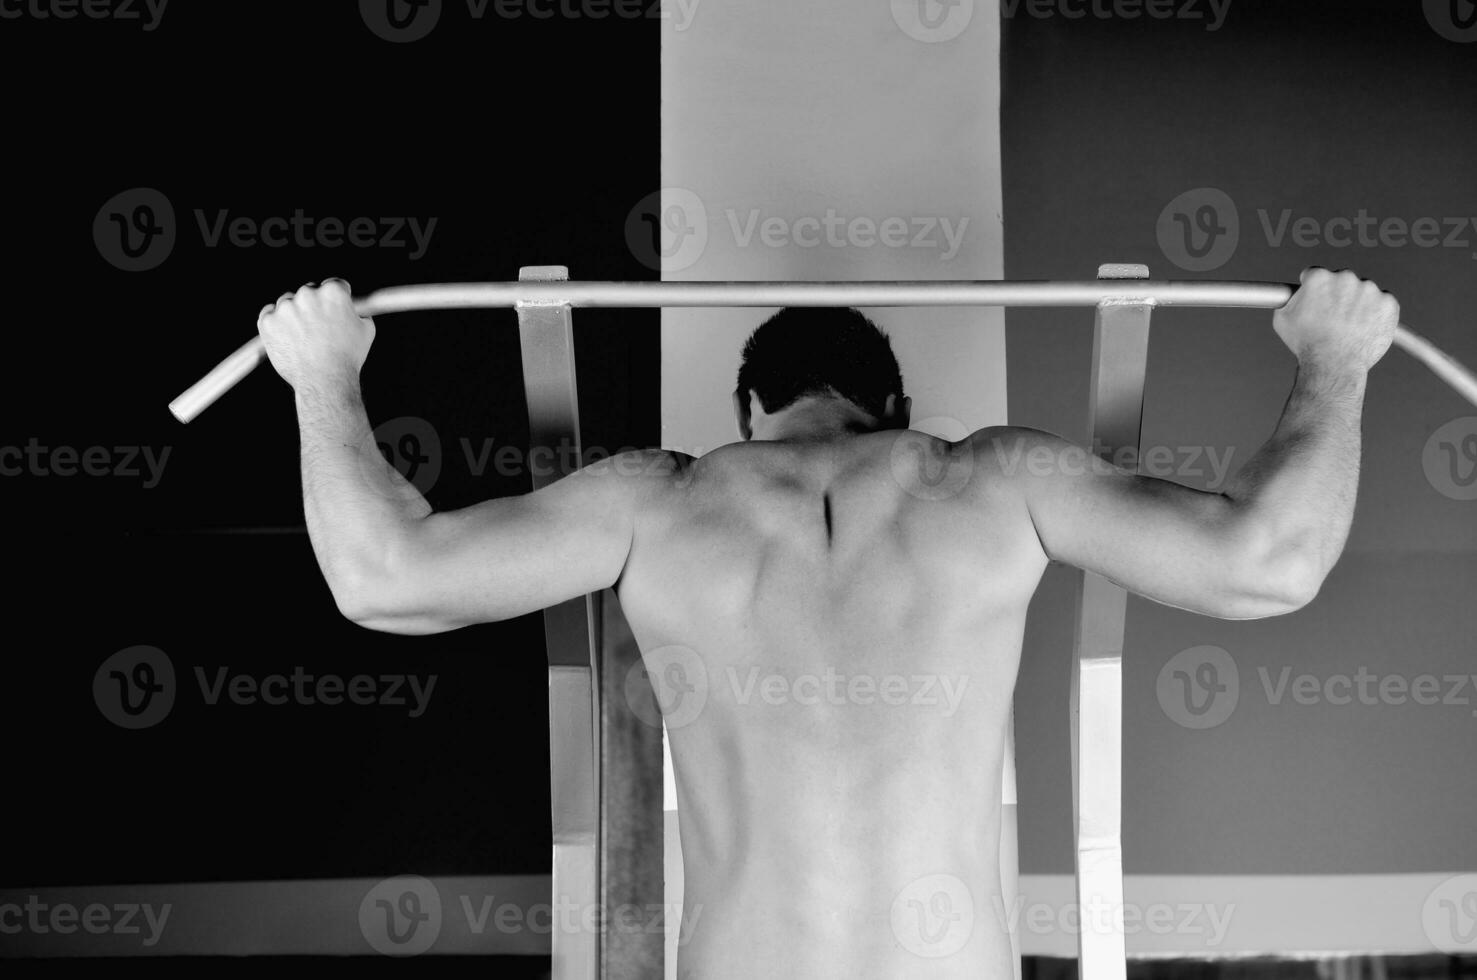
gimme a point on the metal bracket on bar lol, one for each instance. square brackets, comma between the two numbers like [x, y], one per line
[1120, 348]
[571, 634]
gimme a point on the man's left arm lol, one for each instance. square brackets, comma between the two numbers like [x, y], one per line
[391, 563]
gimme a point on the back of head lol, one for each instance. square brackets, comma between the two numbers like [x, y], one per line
[820, 351]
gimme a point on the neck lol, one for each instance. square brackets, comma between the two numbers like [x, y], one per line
[816, 419]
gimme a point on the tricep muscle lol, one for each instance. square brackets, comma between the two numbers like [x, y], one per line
[514, 555]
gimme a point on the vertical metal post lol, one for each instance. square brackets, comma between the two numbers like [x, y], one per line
[1010, 856]
[571, 635]
[1120, 349]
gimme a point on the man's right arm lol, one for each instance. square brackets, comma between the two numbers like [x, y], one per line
[1263, 546]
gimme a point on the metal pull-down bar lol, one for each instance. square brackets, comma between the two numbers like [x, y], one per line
[536, 293]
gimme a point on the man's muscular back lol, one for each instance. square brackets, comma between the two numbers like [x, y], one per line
[833, 630]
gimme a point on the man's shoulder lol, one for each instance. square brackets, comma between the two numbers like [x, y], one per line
[649, 469]
[1010, 437]
[1014, 450]
[994, 448]
[1033, 459]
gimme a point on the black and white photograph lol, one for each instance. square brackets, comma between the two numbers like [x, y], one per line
[741, 489]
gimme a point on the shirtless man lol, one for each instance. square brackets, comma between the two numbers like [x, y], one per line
[845, 600]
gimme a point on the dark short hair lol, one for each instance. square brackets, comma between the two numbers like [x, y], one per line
[820, 351]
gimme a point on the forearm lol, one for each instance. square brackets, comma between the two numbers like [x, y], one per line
[1296, 495]
[358, 507]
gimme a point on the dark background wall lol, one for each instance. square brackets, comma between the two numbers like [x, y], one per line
[530, 141]
[1324, 109]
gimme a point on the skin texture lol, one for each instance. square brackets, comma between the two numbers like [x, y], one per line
[831, 614]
